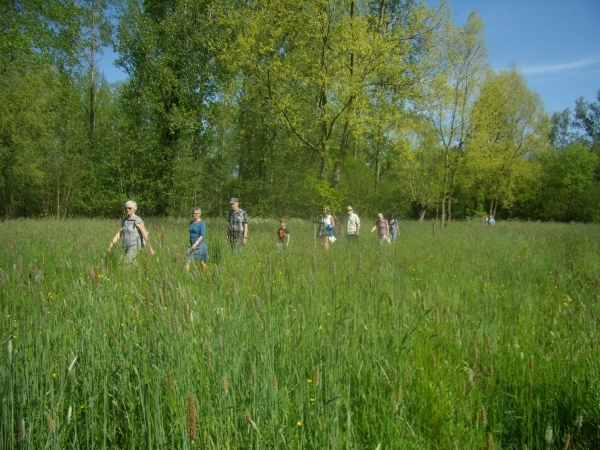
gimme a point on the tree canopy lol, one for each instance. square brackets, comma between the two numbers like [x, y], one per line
[383, 104]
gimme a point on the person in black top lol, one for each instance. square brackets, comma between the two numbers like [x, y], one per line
[237, 231]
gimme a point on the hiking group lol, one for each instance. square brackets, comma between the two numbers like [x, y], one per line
[135, 235]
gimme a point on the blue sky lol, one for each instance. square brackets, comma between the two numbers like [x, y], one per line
[554, 43]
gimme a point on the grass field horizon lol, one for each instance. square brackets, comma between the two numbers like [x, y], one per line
[470, 337]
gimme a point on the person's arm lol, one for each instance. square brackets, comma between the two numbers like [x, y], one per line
[332, 222]
[114, 240]
[357, 225]
[374, 228]
[287, 239]
[144, 233]
[245, 236]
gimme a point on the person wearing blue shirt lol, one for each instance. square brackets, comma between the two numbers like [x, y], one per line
[197, 250]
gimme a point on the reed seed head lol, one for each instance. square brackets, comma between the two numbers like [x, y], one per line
[192, 417]
[21, 431]
[484, 421]
[567, 442]
[225, 385]
[186, 312]
[207, 353]
[49, 421]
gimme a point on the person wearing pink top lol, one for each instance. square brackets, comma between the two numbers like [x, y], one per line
[383, 229]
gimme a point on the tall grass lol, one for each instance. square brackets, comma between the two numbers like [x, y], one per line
[474, 337]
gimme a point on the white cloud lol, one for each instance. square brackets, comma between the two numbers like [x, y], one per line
[585, 62]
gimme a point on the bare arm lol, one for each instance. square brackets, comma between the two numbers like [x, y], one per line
[245, 234]
[114, 240]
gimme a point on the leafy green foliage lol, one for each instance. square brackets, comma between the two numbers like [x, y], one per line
[386, 105]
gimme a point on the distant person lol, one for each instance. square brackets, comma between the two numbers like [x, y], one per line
[382, 228]
[352, 225]
[135, 236]
[283, 235]
[326, 234]
[198, 250]
[237, 231]
[393, 224]
[491, 220]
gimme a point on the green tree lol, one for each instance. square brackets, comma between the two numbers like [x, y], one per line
[569, 189]
[448, 98]
[170, 51]
[587, 118]
[561, 133]
[509, 128]
[317, 64]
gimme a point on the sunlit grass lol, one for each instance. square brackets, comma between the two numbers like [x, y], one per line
[472, 336]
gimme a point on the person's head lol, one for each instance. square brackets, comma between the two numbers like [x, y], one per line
[349, 209]
[380, 216]
[282, 222]
[130, 207]
[325, 210]
[392, 216]
[234, 203]
[196, 212]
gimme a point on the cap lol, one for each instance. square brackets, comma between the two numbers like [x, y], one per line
[233, 200]
[348, 208]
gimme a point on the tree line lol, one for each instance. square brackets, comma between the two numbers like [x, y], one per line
[290, 105]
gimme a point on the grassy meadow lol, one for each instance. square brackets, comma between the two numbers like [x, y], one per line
[475, 337]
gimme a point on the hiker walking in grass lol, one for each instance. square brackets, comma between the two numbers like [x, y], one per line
[326, 234]
[283, 235]
[135, 236]
[237, 231]
[393, 224]
[198, 250]
[352, 225]
[382, 228]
